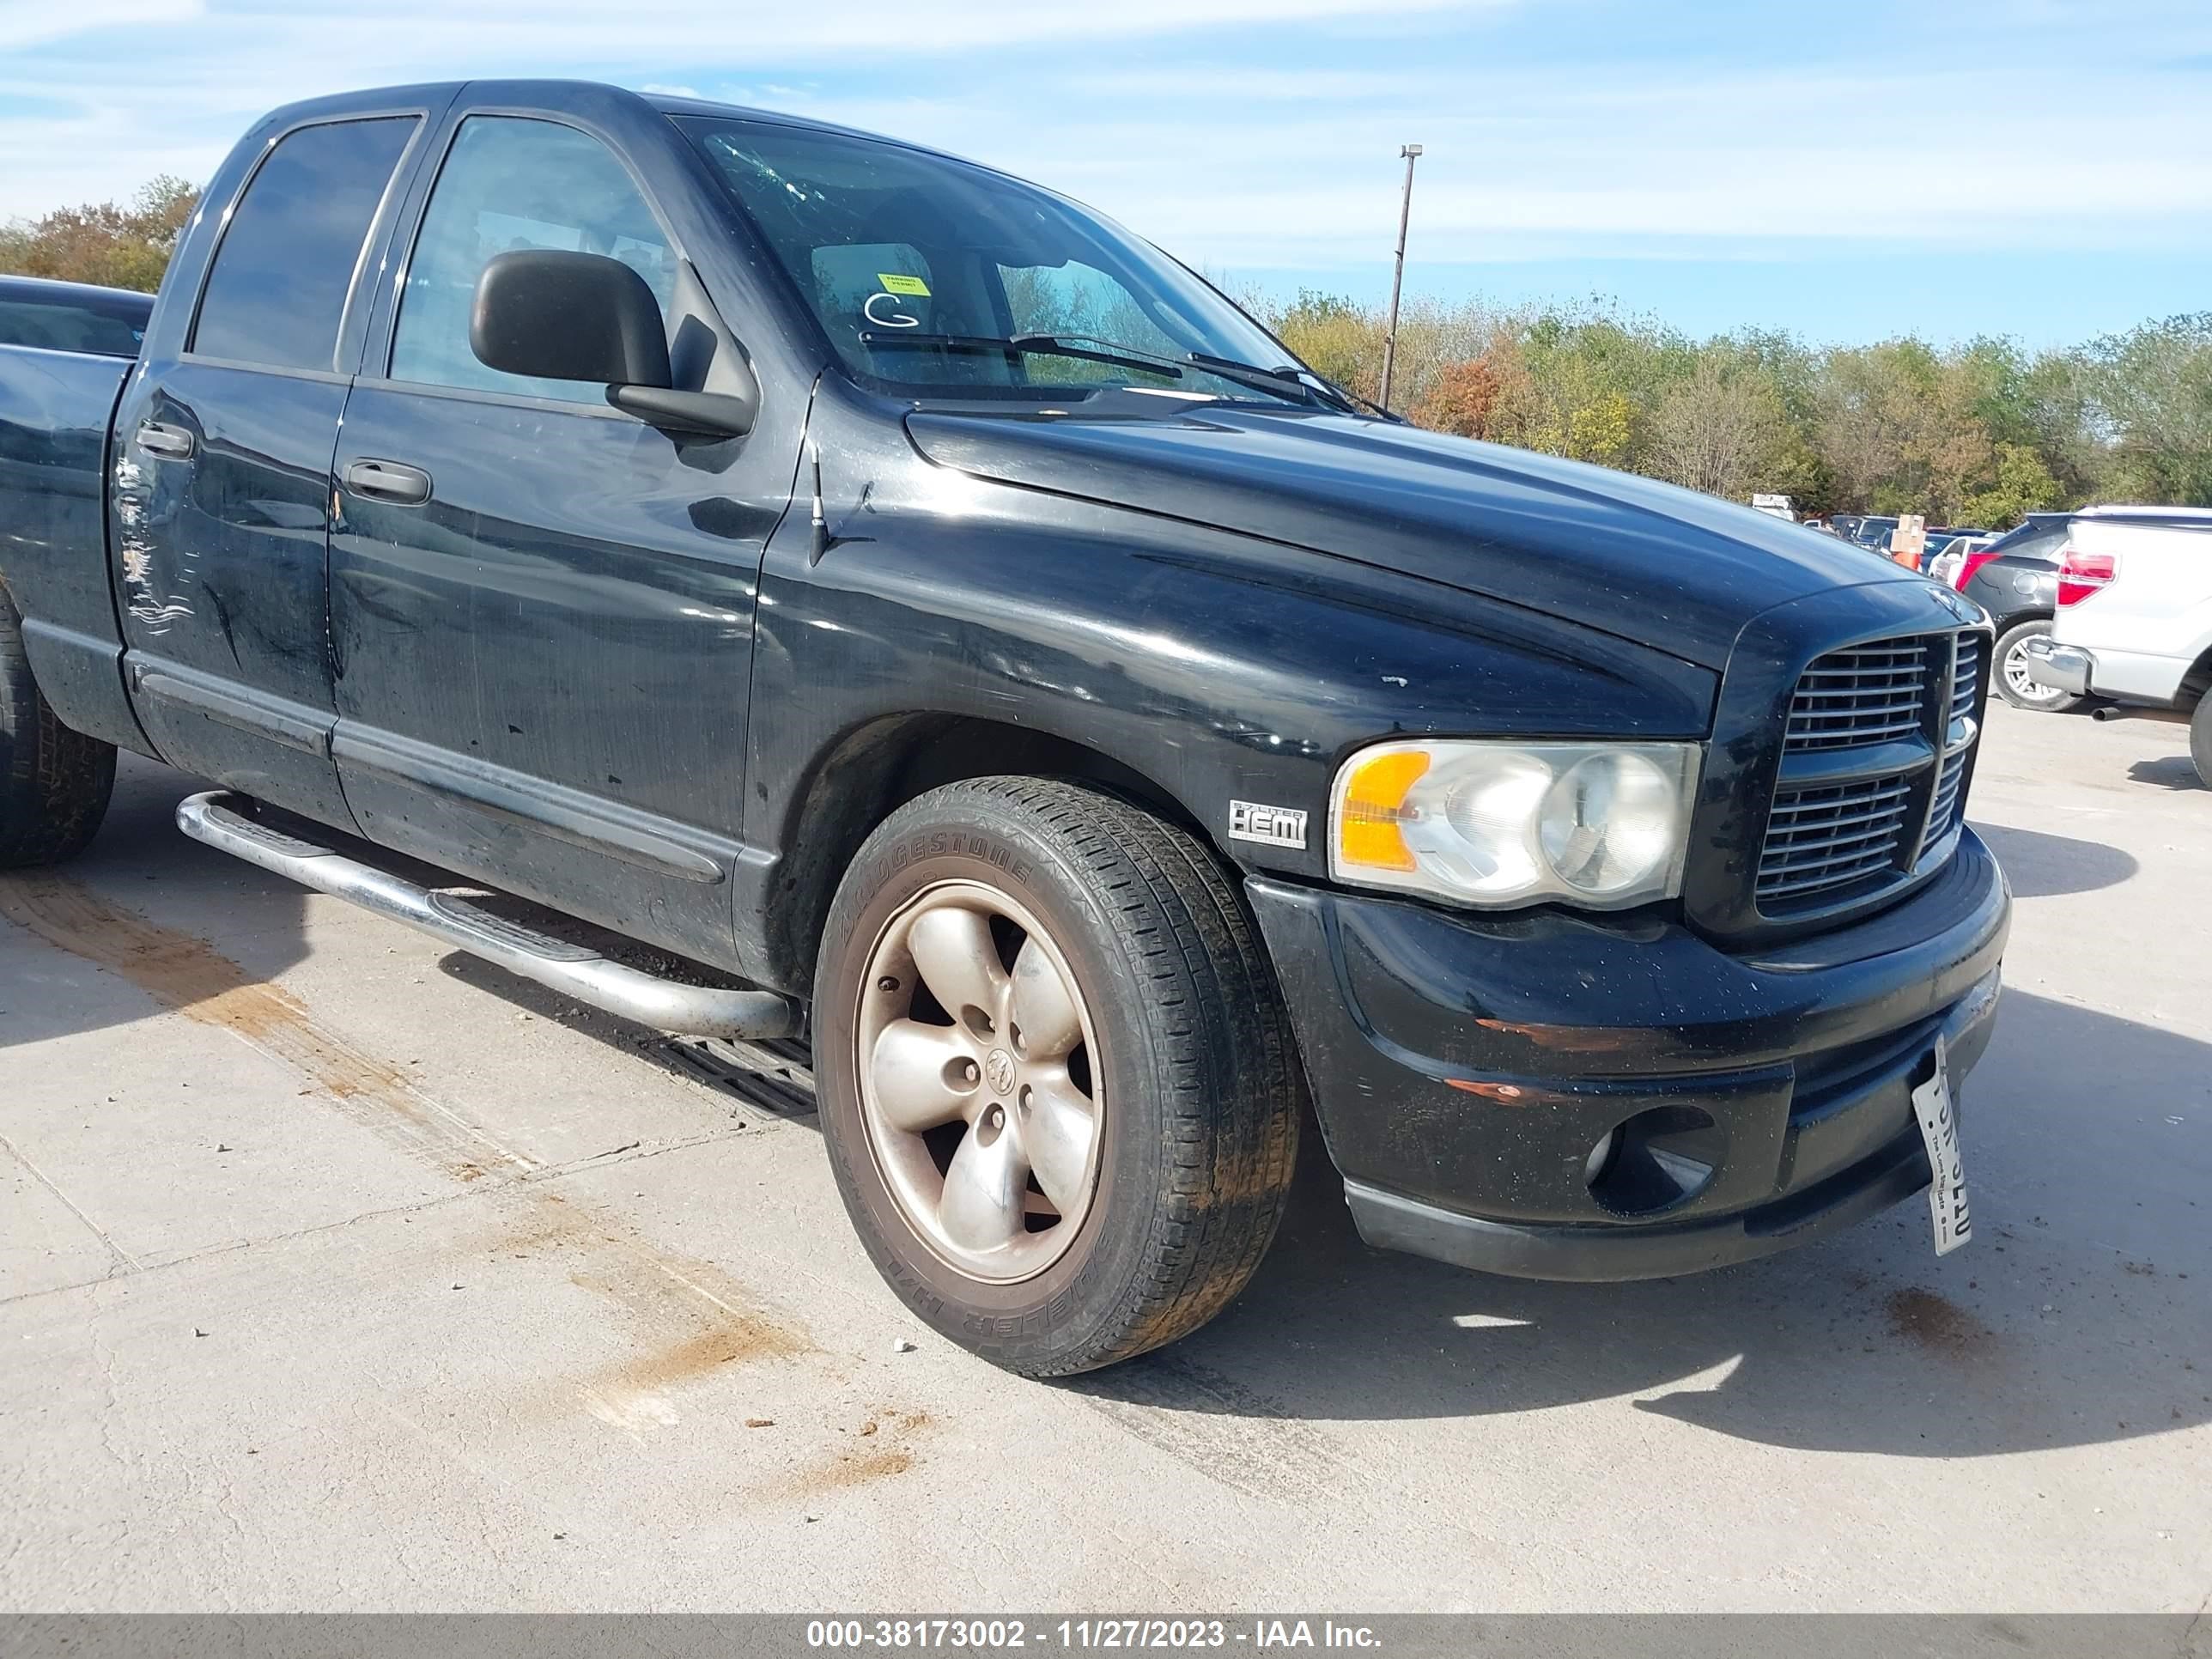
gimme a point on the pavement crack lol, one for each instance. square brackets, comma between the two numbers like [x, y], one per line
[234, 1246]
[129, 1262]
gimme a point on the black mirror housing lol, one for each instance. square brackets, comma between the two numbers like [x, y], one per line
[555, 315]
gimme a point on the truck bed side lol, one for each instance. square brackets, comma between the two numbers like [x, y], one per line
[56, 410]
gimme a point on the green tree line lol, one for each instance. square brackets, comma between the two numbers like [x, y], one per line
[1979, 433]
[1974, 433]
[114, 246]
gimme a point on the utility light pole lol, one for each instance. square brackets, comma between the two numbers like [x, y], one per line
[1413, 154]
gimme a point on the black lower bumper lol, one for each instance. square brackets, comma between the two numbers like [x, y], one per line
[1563, 1097]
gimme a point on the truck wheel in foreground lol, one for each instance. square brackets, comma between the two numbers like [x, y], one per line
[2200, 739]
[1057, 1082]
[54, 782]
[2013, 682]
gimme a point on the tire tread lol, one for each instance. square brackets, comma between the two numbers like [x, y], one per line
[54, 783]
[1230, 1087]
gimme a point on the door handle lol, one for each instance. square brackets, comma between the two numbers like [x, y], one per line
[389, 480]
[171, 443]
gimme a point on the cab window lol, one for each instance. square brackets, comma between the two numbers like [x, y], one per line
[511, 182]
[277, 294]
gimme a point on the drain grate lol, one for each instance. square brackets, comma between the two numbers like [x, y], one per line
[775, 1079]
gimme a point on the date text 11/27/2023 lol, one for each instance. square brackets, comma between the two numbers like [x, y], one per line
[1001, 1635]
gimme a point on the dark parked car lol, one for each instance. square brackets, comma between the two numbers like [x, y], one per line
[982, 648]
[1872, 533]
[72, 316]
[2015, 580]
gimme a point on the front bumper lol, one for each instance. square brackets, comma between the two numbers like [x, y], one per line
[2061, 667]
[1467, 1072]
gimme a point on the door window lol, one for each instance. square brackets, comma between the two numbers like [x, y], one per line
[277, 292]
[510, 182]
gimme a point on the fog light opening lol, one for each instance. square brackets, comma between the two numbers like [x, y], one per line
[1600, 1158]
[1655, 1160]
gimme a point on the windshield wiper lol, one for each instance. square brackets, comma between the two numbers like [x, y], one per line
[1089, 349]
[1280, 381]
[1016, 345]
[1350, 402]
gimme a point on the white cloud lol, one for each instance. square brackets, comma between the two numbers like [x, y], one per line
[1572, 163]
[33, 23]
[1256, 133]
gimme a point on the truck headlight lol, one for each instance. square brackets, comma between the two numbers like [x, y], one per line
[1495, 823]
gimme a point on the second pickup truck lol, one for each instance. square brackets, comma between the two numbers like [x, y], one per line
[976, 644]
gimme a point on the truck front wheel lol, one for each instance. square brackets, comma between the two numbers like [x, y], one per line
[1059, 1088]
[54, 782]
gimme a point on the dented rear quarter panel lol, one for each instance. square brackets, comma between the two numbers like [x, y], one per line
[56, 409]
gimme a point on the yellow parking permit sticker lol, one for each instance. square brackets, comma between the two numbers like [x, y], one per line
[895, 284]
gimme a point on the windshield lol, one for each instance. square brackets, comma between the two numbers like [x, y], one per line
[2039, 528]
[935, 278]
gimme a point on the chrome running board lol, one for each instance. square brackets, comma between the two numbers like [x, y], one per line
[576, 971]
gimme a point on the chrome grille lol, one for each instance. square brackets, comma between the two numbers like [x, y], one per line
[1869, 694]
[1839, 829]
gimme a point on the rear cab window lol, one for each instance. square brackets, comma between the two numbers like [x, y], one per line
[276, 293]
[2037, 538]
[101, 324]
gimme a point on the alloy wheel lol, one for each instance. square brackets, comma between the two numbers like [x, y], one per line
[2025, 685]
[979, 1092]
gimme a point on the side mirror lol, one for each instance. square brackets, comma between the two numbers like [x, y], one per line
[560, 316]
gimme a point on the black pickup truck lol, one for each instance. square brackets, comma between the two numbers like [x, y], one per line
[976, 644]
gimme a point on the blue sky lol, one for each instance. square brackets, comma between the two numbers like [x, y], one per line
[2041, 168]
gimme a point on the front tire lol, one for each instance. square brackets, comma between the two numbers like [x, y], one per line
[2200, 739]
[2013, 683]
[1057, 1082]
[54, 782]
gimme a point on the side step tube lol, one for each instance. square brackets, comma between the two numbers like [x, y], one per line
[574, 969]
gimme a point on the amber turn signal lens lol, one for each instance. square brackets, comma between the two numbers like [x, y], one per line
[1374, 800]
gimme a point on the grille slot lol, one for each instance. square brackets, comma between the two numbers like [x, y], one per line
[1869, 694]
[1834, 835]
[1945, 811]
[1965, 676]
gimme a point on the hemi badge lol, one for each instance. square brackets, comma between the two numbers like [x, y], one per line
[1277, 826]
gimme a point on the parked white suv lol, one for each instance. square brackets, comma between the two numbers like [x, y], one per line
[2135, 614]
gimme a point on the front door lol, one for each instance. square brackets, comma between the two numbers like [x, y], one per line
[221, 489]
[542, 608]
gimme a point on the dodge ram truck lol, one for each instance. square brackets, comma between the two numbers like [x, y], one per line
[976, 647]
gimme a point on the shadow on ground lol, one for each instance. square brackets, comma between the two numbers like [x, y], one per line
[2173, 772]
[2080, 1313]
[2040, 865]
[106, 958]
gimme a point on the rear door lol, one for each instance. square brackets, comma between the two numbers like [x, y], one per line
[219, 499]
[542, 608]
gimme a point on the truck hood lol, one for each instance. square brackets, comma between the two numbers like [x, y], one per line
[1646, 561]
